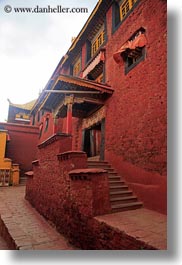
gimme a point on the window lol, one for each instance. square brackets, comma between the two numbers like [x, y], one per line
[97, 42]
[33, 120]
[132, 51]
[125, 7]
[77, 67]
[132, 58]
[100, 78]
[22, 116]
[46, 124]
[38, 116]
[116, 14]
[40, 130]
[88, 50]
[120, 10]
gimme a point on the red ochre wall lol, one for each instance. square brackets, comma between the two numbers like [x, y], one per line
[136, 113]
[135, 124]
[22, 145]
[71, 200]
[46, 133]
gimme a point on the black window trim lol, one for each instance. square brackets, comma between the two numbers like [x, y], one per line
[142, 58]
[115, 27]
[46, 124]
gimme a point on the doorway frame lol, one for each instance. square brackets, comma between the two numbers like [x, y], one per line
[102, 144]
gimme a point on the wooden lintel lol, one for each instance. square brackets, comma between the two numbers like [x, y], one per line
[72, 92]
[59, 107]
[93, 110]
[89, 100]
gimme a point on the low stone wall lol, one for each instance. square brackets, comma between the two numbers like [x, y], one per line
[70, 195]
[66, 192]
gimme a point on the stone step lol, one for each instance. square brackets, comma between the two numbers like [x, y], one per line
[118, 187]
[112, 173]
[99, 166]
[110, 170]
[126, 206]
[120, 200]
[97, 162]
[116, 182]
[123, 193]
[22, 181]
[93, 158]
[114, 178]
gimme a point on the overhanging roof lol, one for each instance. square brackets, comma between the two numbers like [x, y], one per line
[89, 94]
[95, 20]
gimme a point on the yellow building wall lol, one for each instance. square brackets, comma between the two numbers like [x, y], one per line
[2, 144]
[6, 163]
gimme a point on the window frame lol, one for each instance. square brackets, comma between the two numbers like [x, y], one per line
[77, 66]
[38, 116]
[100, 78]
[40, 130]
[128, 68]
[46, 124]
[97, 41]
[116, 8]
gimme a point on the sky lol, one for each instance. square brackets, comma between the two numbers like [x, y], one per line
[31, 46]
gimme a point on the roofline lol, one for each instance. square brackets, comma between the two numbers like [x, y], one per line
[22, 106]
[18, 125]
[65, 57]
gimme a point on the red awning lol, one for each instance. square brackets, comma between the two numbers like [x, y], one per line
[99, 58]
[139, 41]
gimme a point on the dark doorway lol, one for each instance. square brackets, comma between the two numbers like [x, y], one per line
[92, 141]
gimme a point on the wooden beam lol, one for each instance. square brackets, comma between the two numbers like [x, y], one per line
[72, 92]
[58, 108]
[89, 100]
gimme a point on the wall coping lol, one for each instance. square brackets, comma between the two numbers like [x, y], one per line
[55, 137]
[7, 159]
[85, 173]
[3, 131]
[35, 162]
[69, 154]
[29, 174]
[19, 125]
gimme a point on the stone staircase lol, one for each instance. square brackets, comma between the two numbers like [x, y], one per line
[23, 180]
[121, 197]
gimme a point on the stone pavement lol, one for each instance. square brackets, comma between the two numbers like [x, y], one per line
[23, 227]
[143, 224]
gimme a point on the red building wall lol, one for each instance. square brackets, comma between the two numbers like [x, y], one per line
[135, 122]
[22, 147]
[53, 126]
[136, 113]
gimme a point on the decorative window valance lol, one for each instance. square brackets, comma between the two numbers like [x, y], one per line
[139, 41]
[99, 58]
